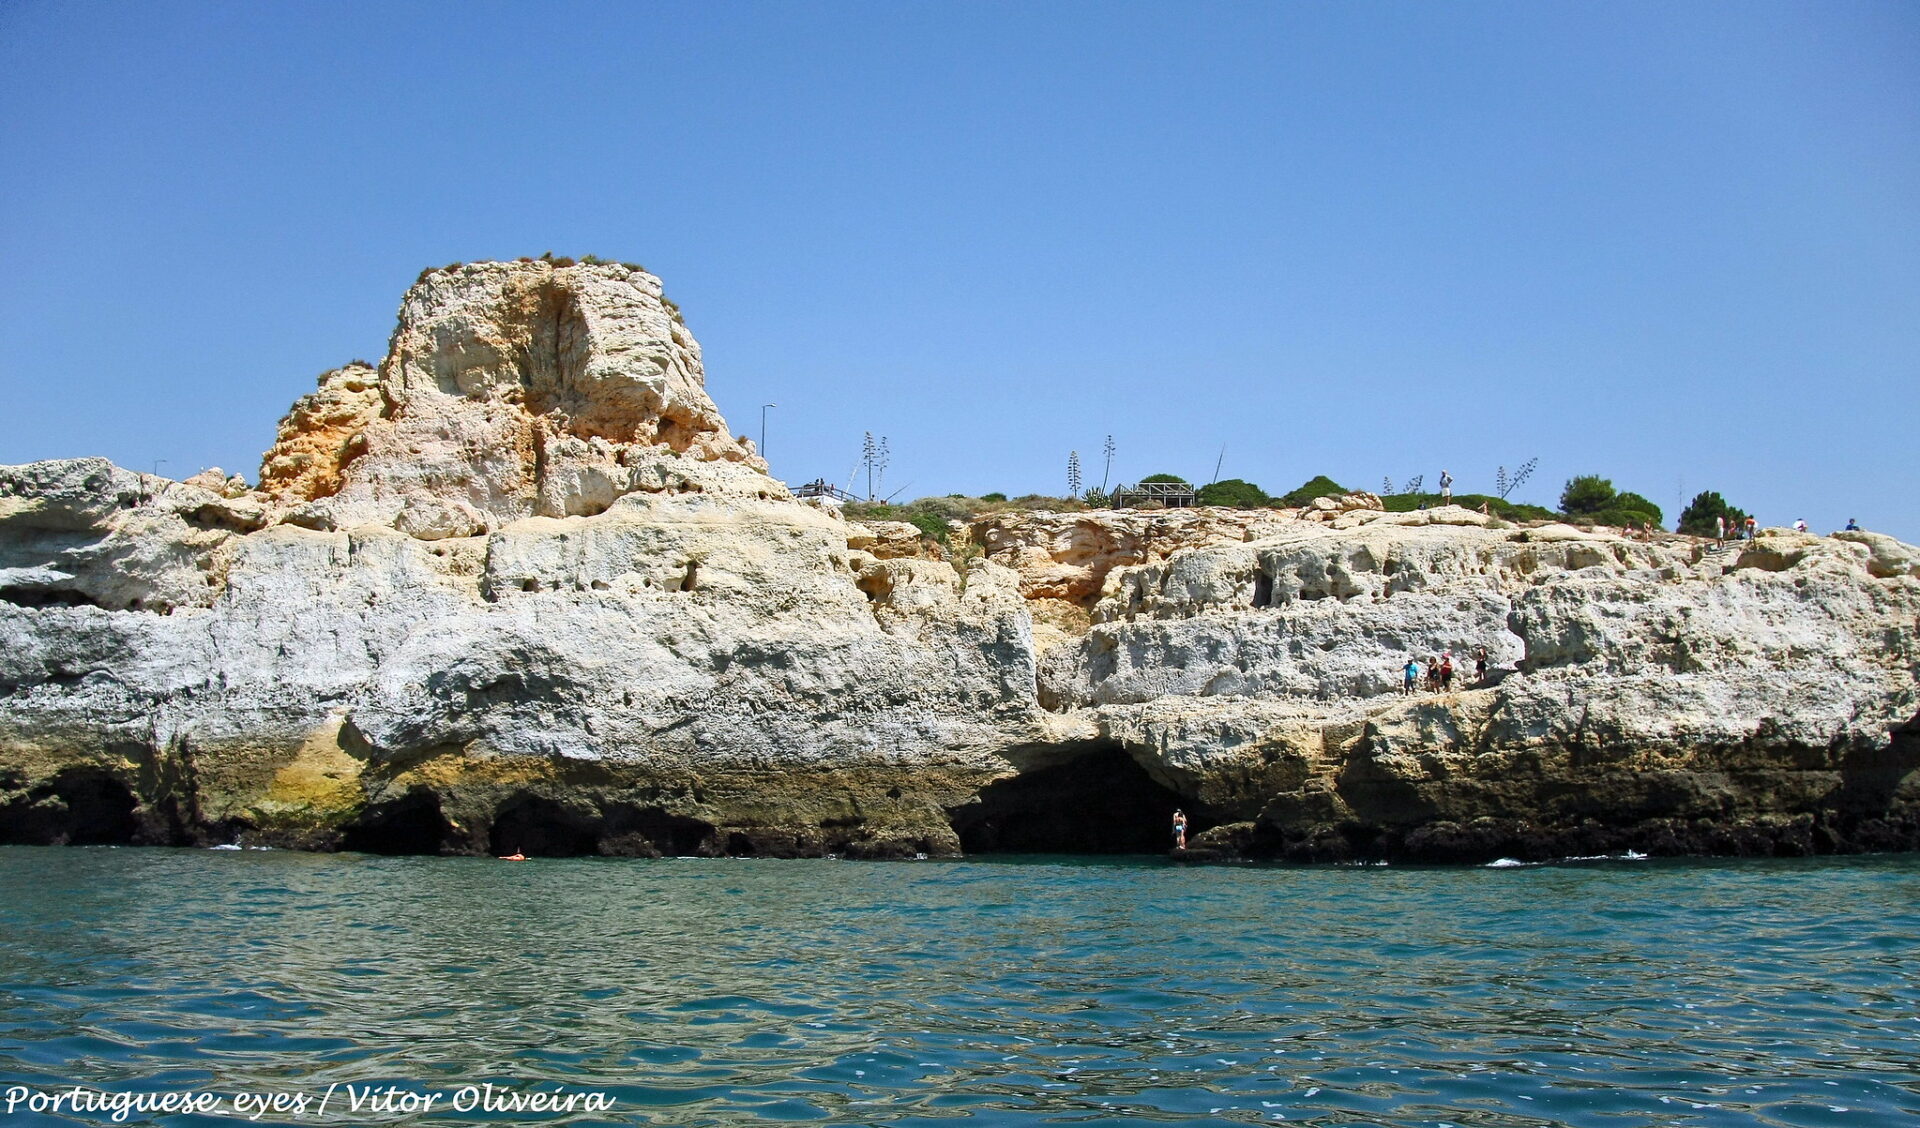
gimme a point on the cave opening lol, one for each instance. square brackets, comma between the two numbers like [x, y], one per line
[411, 824]
[542, 828]
[80, 807]
[1101, 802]
[649, 832]
[48, 597]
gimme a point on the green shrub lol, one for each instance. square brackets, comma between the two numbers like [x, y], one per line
[871, 511]
[945, 508]
[1515, 512]
[1590, 499]
[931, 525]
[1234, 493]
[996, 496]
[1497, 506]
[1585, 495]
[1175, 478]
[1620, 519]
[1318, 486]
[1634, 503]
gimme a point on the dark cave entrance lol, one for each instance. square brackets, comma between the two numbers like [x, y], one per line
[411, 824]
[1098, 803]
[542, 828]
[649, 832]
[80, 807]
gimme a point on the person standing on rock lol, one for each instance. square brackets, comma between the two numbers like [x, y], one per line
[1412, 671]
[1446, 672]
[1446, 488]
[1179, 829]
[1480, 665]
[1753, 527]
[1719, 530]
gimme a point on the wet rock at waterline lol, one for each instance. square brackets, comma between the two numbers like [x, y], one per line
[517, 588]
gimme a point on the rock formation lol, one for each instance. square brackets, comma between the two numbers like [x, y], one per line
[518, 588]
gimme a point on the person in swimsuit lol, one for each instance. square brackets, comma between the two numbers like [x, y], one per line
[1179, 829]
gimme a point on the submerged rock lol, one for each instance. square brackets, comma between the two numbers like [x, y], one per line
[516, 589]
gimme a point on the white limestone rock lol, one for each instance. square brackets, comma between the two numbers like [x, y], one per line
[511, 390]
[520, 566]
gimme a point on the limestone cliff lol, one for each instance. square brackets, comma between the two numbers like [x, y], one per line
[516, 587]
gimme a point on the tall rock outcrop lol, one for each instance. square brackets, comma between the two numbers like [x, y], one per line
[510, 390]
[516, 587]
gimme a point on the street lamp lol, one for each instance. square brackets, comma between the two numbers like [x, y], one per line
[763, 428]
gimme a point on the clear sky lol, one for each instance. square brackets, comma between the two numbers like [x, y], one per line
[1677, 245]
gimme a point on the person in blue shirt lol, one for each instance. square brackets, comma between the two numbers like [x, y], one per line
[1412, 671]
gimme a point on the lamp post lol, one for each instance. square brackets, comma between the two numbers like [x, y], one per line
[763, 428]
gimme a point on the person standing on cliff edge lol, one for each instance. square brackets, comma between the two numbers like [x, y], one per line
[1179, 829]
[1446, 488]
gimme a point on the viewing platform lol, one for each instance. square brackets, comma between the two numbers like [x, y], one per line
[820, 487]
[1173, 495]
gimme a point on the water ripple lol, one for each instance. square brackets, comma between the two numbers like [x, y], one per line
[1019, 992]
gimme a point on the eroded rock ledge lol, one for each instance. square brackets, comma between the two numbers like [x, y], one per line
[516, 587]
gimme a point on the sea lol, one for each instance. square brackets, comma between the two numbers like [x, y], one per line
[228, 987]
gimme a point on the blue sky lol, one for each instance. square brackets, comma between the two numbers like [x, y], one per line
[1677, 245]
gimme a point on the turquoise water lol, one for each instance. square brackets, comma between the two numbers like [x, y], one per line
[1016, 992]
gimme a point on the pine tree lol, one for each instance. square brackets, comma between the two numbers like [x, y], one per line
[1697, 517]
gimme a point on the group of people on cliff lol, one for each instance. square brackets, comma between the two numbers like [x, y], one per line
[1741, 530]
[1439, 670]
[1750, 528]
